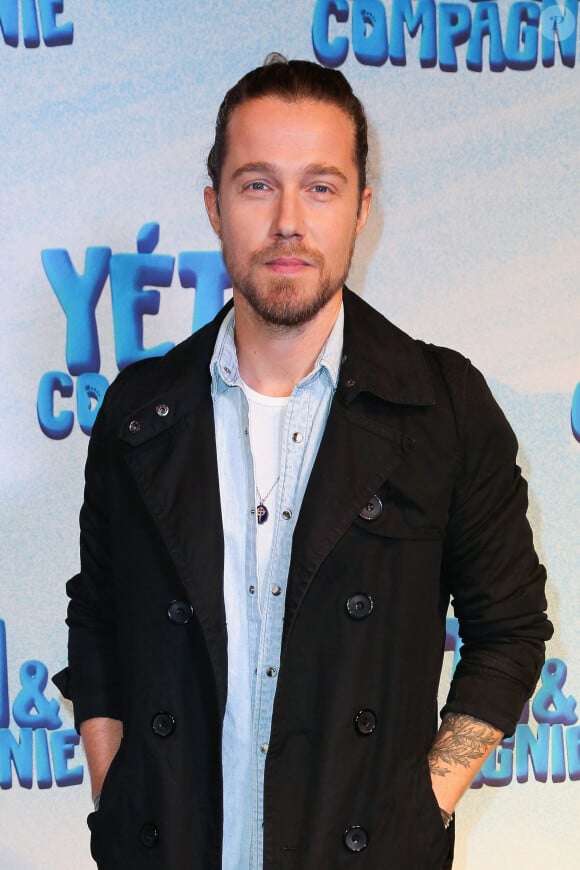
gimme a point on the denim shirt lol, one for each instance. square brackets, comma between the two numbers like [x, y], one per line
[254, 637]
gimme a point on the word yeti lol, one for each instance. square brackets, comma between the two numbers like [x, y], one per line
[130, 275]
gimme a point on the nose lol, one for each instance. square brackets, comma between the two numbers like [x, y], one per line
[288, 218]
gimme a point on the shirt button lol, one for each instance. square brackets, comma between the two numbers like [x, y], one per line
[287, 514]
[271, 672]
[276, 590]
[227, 370]
[264, 748]
[251, 590]
[297, 437]
[162, 410]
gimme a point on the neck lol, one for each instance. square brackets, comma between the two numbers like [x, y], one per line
[273, 359]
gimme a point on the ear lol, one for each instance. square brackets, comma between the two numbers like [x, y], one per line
[210, 198]
[364, 209]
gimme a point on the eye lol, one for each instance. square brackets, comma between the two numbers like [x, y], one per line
[257, 185]
[321, 188]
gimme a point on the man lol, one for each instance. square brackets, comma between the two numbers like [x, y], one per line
[276, 516]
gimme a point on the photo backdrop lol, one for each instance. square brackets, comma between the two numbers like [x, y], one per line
[107, 256]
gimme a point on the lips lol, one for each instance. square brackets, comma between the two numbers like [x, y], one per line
[287, 265]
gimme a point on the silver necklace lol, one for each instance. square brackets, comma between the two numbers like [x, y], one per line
[262, 512]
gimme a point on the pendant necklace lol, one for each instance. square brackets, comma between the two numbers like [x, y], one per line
[262, 512]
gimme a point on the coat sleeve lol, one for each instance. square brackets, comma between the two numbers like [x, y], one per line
[91, 680]
[491, 568]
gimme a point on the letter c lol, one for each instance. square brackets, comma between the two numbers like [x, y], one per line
[329, 53]
[57, 426]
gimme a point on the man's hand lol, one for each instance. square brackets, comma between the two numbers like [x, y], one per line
[101, 739]
[460, 748]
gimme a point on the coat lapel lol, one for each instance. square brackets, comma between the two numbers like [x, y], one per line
[174, 464]
[355, 458]
[382, 369]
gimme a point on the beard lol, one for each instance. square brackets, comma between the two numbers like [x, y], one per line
[283, 301]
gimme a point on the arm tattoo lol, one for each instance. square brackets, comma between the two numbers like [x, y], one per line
[461, 741]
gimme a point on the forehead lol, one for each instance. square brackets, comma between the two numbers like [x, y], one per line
[287, 132]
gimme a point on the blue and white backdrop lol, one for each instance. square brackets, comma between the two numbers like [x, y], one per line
[106, 256]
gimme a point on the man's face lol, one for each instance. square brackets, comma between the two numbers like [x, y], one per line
[288, 212]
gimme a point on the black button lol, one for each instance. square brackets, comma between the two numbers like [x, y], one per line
[349, 382]
[365, 722]
[356, 839]
[180, 612]
[163, 724]
[359, 606]
[149, 836]
[373, 509]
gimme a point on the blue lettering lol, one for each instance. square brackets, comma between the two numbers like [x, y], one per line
[30, 29]
[4, 701]
[486, 23]
[521, 41]
[52, 33]
[129, 274]
[454, 30]
[205, 271]
[91, 389]
[330, 53]
[9, 21]
[561, 26]
[78, 296]
[31, 709]
[573, 752]
[60, 425]
[424, 17]
[532, 747]
[575, 413]
[551, 704]
[63, 745]
[17, 753]
[369, 32]
[42, 757]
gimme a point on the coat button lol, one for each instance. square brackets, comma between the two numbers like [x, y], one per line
[365, 722]
[373, 509]
[163, 724]
[149, 836]
[134, 426]
[359, 606]
[162, 410]
[180, 612]
[349, 382]
[356, 839]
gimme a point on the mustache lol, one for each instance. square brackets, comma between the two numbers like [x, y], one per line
[287, 249]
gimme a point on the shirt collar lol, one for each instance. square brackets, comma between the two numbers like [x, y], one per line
[224, 362]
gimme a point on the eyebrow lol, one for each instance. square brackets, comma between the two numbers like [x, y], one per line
[322, 169]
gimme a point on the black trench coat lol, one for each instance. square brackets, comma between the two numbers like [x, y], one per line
[414, 498]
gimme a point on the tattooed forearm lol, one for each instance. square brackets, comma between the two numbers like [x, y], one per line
[461, 742]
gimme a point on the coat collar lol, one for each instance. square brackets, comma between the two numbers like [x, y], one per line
[182, 379]
[398, 374]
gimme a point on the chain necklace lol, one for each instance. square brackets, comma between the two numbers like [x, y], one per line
[262, 512]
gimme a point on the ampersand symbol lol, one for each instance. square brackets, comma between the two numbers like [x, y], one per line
[33, 678]
[550, 704]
